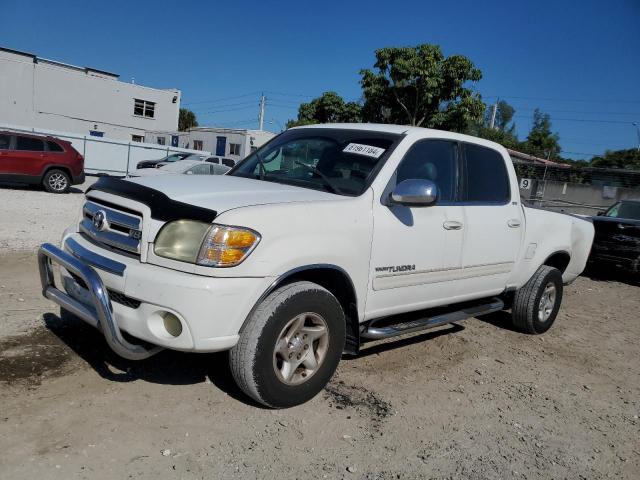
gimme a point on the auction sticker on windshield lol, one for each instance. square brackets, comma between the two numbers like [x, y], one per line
[367, 150]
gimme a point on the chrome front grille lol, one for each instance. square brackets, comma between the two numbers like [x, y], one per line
[116, 229]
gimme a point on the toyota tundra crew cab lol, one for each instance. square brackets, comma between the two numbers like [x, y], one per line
[327, 237]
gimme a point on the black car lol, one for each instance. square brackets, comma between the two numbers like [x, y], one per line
[174, 157]
[617, 238]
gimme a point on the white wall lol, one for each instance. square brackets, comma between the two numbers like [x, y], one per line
[105, 155]
[43, 94]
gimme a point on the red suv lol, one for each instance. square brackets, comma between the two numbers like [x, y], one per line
[37, 160]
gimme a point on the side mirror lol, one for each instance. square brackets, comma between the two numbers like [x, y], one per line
[414, 193]
[600, 213]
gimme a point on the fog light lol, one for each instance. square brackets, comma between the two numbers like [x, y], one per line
[172, 324]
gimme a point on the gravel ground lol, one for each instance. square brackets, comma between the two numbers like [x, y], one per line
[30, 216]
[475, 400]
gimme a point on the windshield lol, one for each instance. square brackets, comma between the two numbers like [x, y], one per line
[178, 167]
[340, 161]
[629, 210]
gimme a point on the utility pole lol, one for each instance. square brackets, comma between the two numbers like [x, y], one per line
[263, 100]
[494, 110]
[638, 131]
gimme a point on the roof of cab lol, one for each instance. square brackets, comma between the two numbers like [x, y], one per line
[406, 129]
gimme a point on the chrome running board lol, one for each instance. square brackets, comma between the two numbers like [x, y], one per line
[372, 332]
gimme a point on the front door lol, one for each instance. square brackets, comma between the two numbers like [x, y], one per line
[221, 146]
[417, 250]
[6, 158]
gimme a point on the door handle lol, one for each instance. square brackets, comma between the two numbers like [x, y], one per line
[514, 223]
[452, 225]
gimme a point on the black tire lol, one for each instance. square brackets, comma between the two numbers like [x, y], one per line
[56, 181]
[527, 301]
[253, 360]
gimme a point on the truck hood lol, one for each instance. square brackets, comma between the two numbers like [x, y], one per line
[223, 192]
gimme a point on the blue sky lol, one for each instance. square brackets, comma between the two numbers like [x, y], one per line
[577, 60]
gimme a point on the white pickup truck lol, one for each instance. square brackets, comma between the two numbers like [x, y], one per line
[327, 237]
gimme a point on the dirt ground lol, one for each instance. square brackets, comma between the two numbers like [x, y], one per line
[475, 400]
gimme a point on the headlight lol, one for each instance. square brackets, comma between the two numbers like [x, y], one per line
[205, 244]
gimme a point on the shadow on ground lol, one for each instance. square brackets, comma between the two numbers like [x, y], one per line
[39, 354]
[600, 273]
[21, 186]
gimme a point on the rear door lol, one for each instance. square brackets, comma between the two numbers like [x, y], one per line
[493, 223]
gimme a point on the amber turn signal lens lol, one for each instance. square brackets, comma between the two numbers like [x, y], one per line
[227, 246]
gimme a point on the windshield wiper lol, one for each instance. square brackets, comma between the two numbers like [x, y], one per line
[315, 170]
[263, 170]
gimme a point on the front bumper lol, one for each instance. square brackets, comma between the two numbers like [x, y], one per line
[100, 314]
[127, 295]
[78, 179]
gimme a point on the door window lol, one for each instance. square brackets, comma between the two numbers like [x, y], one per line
[54, 147]
[30, 144]
[5, 141]
[486, 179]
[434, 160]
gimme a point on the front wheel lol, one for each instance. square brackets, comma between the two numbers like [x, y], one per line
[291, 345]
[536, 304]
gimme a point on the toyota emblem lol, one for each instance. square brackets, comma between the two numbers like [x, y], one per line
[100, 220]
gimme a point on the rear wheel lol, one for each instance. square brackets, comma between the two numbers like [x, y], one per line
[56, 181]
[536, 304]
[291, 345]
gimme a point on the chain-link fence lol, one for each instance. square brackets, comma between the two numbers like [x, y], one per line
[583, 191]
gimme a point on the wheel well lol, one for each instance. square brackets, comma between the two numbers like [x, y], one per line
[56, 167]
[340, 285]
[559, 260]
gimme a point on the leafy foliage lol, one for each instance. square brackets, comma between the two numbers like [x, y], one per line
[420, 86]
[504, 115]
[541, 142]
[327, 108]
[629, 159]
[186, 120]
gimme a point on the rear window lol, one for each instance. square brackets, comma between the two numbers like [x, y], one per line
[30, 144]
[5, 141]
[487, 180]
[54, 147]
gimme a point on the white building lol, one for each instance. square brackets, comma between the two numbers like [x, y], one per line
[39, 93]
[230, 143]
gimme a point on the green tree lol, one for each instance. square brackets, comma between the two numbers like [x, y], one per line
[504, 115]
[628, 159]
[420, 86]
[327, 108]
[541, 142]
[186, 120]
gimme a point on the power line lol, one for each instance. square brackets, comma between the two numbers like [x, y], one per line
[227, 105]
[210, 112]
[517, 108]
[223, 98]
[550, 99]
[555, 119]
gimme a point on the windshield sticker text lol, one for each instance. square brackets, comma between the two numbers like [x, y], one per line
[367, 150]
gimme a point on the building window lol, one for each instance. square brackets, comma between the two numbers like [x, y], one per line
[234, 149]
[137, 138]
[197, 144]
[161, 141]
[143, 108]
